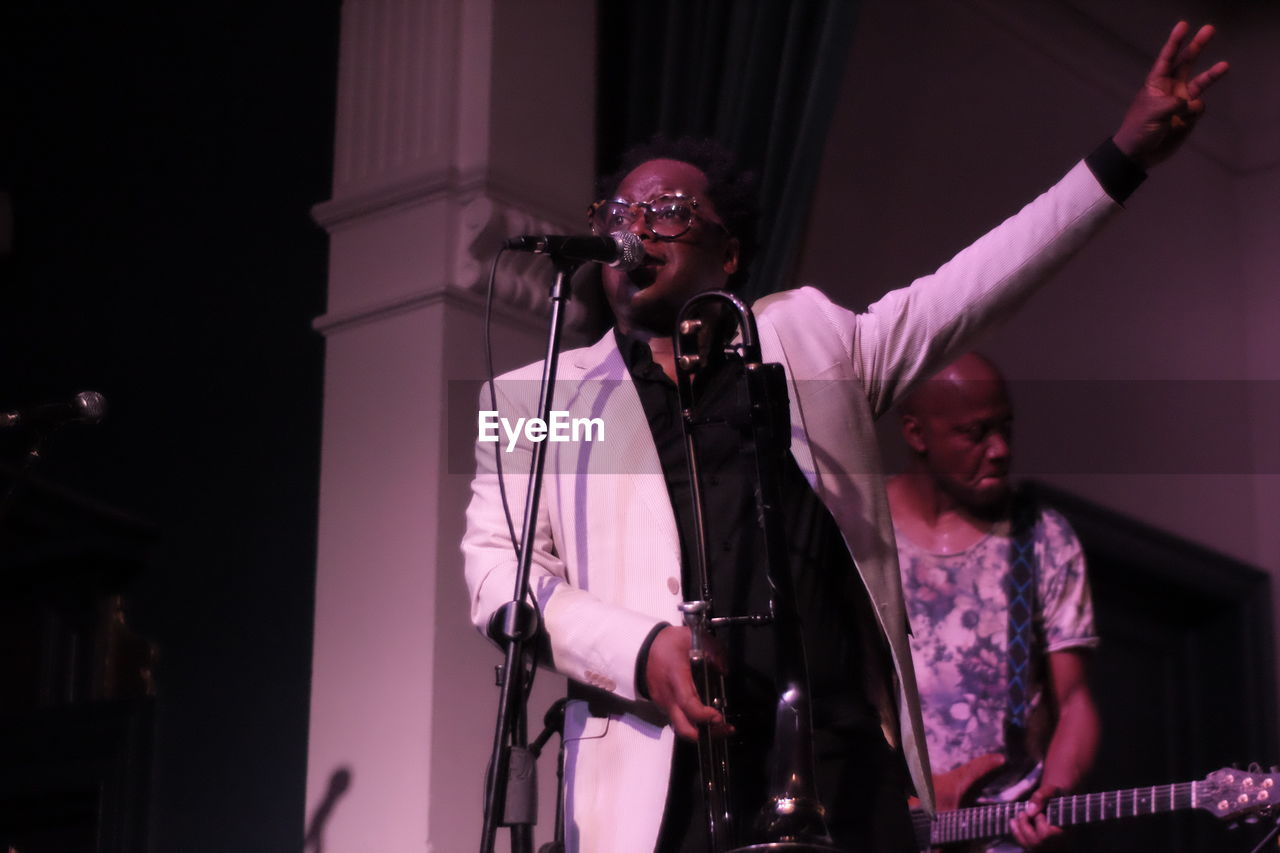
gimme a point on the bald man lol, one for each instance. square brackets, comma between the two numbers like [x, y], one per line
[958, 525]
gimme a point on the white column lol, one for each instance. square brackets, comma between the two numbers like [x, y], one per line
[459, 122]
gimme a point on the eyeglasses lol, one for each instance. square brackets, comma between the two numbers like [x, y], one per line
[667, 216]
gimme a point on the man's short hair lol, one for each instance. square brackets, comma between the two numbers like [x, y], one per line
[731, 189]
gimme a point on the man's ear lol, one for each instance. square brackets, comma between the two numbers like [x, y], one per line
[913, 433]
[732, 252]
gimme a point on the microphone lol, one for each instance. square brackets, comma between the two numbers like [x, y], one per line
[87, 407]
[620, 249]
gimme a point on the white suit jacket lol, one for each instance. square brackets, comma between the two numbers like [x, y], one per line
[606, 565]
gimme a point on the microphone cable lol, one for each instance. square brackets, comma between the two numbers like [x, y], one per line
[531, 668]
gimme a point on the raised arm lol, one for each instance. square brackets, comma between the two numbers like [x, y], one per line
[915, 330]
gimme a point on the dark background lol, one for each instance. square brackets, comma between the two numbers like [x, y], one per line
[161, 162]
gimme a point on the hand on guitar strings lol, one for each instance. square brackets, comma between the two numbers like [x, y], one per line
[1031, 827]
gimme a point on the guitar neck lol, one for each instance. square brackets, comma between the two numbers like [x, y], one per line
[992, 820]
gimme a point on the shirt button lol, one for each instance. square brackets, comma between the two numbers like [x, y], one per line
[673, 585]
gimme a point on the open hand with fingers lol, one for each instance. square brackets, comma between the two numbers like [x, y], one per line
[1171, 100]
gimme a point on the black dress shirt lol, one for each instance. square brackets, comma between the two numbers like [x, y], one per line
[839, 630]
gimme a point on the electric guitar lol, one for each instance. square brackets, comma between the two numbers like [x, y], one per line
[1225, 793]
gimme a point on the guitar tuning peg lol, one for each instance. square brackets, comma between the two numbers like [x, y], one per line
[1233, 826]
[1275, 768]
[1255, 767]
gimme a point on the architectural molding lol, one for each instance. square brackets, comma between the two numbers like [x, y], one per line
[438, 184]
[484, 223]
[430, 185]
[480, 218]
[472, 302]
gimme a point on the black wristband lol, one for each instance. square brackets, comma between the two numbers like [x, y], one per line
[1116, 172]
[642, 659]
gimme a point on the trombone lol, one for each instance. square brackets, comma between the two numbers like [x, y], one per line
[791, 819]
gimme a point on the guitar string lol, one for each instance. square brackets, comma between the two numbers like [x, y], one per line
[992, 819]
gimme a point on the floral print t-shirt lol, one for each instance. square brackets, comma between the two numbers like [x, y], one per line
[958, 606]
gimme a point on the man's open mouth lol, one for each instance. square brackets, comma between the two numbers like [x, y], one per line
[644, 275]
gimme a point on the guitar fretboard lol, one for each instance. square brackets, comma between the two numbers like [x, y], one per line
[992, 820]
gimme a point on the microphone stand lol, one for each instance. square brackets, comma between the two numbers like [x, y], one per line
[553, 724]
[518, 624]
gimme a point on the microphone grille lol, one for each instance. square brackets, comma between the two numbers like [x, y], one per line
[630, 250]
[91, 405]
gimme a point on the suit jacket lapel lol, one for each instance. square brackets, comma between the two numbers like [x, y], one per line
[606, 387]
[771, 350]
